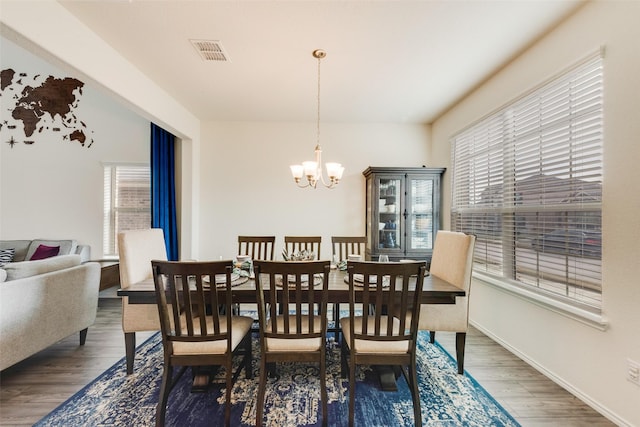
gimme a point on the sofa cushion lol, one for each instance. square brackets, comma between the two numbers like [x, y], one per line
[66, 246]
[6, 255]
[21, 247]
[44, 251]
[19, 270]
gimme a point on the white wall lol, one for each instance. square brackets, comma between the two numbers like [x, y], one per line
[80, 52]
[53, 188]
[587, 361]
[246, 185]
[240, 195]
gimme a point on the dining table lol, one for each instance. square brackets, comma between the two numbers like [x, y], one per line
[435, 291]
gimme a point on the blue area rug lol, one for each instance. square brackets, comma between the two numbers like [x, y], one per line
[292, 399]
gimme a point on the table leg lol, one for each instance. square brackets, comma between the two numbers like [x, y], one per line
[388, 376]
[202, 377]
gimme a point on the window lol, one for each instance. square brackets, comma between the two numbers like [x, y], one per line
[127, 202]
[527, 181]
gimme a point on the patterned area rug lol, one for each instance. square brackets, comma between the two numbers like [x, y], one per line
[292, 399]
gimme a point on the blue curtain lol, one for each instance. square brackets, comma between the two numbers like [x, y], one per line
[163, 188]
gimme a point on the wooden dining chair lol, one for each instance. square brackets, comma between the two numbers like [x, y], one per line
[379, 338]
[192, 333]
[257, 247]
[341, 248]
[294, 244]
[297, 334]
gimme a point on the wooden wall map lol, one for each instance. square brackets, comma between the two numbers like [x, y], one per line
[32, 106]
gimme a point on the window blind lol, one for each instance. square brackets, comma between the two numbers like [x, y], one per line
[527, 180]
[127, 202]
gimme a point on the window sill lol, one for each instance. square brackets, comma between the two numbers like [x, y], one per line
[589, 318]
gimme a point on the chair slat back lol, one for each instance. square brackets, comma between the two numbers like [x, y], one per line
[192, 307]
[343, 246]
[385, 288]
[300, 243]
[257, 247]
[295, 293]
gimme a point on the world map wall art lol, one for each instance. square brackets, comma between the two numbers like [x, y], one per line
[38, 106]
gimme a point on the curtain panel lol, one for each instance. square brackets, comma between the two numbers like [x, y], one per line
[163, 188]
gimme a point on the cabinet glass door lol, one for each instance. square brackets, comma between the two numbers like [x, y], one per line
[390, 233]
[420, 210]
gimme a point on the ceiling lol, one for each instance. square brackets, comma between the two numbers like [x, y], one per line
[387, 61]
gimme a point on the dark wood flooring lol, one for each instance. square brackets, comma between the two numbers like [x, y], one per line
[34, 387]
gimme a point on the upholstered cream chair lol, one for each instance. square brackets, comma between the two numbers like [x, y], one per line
[452, 261]
[137, 248]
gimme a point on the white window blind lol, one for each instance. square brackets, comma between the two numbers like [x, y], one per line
[127, 202]
[527, 180]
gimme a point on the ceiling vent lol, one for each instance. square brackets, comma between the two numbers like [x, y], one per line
[210, 50]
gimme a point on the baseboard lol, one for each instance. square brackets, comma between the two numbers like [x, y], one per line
[588, 400]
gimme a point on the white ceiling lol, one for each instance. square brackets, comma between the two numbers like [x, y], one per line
[387, 61]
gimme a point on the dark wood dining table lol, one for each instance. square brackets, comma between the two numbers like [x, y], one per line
[435, 291]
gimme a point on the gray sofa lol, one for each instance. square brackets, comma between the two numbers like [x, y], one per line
[44, 301]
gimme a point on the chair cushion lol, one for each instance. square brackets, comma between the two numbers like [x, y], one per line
[240, 325]
[368, 346]
[139, 317]
[301, 345]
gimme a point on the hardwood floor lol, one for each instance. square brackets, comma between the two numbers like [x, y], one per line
[530, 397]
[36, 386]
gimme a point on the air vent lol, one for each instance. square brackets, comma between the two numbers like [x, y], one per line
[210, 50]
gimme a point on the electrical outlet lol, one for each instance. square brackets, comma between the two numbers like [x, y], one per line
[633, 372]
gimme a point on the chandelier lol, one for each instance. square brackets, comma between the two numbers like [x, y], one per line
[312, 170]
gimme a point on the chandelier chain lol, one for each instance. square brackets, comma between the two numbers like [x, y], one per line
[318, 100]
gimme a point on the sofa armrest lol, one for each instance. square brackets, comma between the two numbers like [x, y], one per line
[85, 252]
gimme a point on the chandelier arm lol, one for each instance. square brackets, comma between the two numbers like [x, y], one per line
[302, 186]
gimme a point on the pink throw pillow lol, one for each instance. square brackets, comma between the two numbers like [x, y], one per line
[44, 251]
